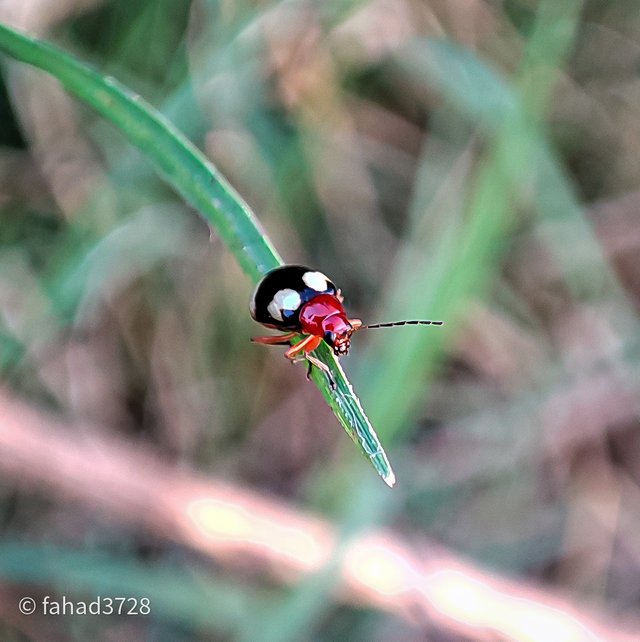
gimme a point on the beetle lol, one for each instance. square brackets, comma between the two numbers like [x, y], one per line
[301, 301]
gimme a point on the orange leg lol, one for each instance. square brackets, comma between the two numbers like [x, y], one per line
[309, 344]
[356, 323]
[277, 340]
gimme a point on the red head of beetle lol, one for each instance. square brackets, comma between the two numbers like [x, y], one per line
[324, 316]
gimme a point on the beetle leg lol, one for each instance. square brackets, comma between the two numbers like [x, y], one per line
[308, 344]
[305, 347]
[323, 366]
[356, 323]
[277, 340]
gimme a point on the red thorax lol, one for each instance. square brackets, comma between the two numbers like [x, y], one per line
[325, 317]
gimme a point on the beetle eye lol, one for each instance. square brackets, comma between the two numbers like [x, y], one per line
[330, 337]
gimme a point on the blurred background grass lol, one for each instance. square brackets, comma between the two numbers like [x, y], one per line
[472, 161]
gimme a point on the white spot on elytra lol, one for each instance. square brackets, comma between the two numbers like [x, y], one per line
[286, 299]
[315, 280]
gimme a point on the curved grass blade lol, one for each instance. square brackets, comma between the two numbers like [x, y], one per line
[348, 410]
[188, 171]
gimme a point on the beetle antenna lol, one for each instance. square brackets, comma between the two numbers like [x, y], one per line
[397, 323]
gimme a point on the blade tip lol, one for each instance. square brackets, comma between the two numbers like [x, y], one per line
[390, 479]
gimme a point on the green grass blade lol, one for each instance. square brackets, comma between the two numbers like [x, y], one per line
[348, 410]
[201, 185]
